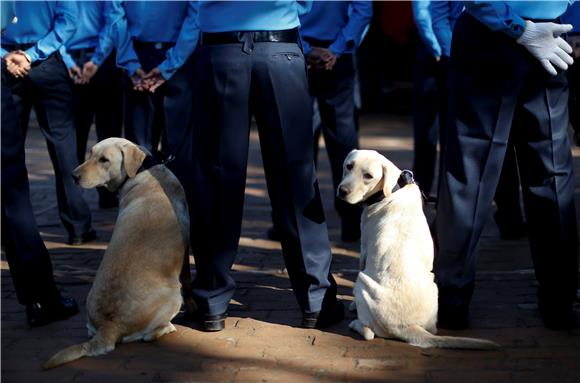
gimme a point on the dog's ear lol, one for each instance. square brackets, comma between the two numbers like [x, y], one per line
[390, 176]
[132, 159]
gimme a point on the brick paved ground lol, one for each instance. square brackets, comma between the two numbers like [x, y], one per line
[261, 342]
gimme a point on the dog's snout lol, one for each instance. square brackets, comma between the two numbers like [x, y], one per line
[343, 191]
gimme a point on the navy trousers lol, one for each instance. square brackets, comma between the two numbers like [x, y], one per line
[49, 89]
[26, 254]
[267, 80]
[164, 115]
[101, 101]
[334, 92]
[427, 103]
[498, 89]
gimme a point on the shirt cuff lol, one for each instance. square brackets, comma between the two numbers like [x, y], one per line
[166, 72]
[3, 52]
[515, 28]
[97, 59]
[31, 52]
[132, 68]
[341, 46]
[68, 61]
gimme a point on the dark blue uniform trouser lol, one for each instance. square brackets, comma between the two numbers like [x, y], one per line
[48, 88]
[101, 101]
[334, 91]
[496, 89]
[165, 114]
[429, 122]
[269, 82]
[427, 103]
[26, 254]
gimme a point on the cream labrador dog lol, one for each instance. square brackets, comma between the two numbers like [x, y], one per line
[395, 295]
[136, 291]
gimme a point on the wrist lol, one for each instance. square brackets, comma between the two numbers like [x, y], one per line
[27, 57]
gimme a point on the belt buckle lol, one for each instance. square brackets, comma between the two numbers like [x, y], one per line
[158, 46]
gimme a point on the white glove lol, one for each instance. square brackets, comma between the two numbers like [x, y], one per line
[543, 42]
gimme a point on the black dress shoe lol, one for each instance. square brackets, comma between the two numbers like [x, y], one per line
[212, 323]
[90, 235]
[328, 316]
[39, 314]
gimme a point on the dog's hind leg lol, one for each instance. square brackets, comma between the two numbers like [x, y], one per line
[366, 332]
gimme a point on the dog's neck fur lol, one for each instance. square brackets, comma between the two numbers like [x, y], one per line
[147, 164]
[405, 178]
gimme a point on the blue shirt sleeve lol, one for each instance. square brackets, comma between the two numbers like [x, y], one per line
[422, 15]
[63, 29]
[126, 56]
[498, 16]
[351, 35]
[68, 60]
[185, 44]
[443, 16]
[105, 43]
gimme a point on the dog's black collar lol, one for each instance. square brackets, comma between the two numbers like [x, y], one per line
[406, 178]
[148, 163]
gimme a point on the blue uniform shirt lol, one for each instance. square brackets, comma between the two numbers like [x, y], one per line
[509, 16]
[228, 16]
[8, 13]
[342, 22]
[444, 14]
[93, 31]
[155, 22]
[47, 24]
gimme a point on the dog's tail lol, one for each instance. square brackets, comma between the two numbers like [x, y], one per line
[418, 336]
[103, 342]
[415, 334]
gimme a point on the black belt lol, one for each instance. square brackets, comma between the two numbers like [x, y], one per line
[282, 36]
[17, 47]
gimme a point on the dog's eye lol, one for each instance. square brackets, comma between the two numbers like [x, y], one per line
[103, 160]
[348, 166]
[367, 176]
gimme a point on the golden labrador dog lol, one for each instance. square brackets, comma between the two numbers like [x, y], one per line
[395, 295]
[136, 291]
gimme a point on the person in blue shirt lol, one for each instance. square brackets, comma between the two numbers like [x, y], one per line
[157, 54]
[98, 92]
[435, 21]
[27, 256]
[40, 80]
[251, 63]
[331, 32]
[507, 80]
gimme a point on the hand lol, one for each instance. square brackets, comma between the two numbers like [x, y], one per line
[154, 79]
[543, 41]
[75, 74]
[574, 41]
[17, 64]
[89, 70]
[321, 58]
[138, 81]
